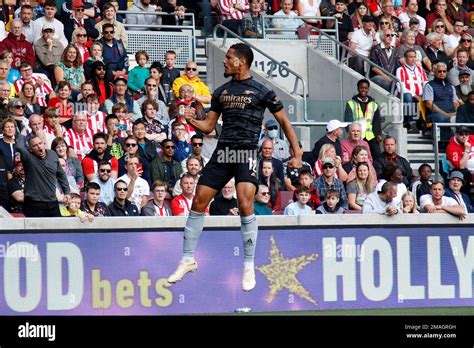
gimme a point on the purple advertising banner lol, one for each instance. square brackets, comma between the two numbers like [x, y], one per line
[124, 273]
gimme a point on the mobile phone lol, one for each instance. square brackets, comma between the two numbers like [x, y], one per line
[140, 167]
[121, 127]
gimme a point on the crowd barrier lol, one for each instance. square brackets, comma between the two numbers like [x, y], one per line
[119, 266]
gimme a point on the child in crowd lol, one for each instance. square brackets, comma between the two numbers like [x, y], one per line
[300, 207]
[331, 204]
[305, 179]
[124, 125]
[423, 186]
[409, 203]
[72, 209]
[169, 71]
[138, 75]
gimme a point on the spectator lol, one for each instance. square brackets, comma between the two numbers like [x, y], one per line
[388, 14]
[179, 106]
[364, 110]
[456, 12]
[454, 38]
[460, 154]
[359, 188]
[334, 131]
[77, 19]
[48, 51]
[409, 205]
[455, 183]
[110, 14]
[231, 14]
[114, 141]
[439, 12]
[420, 38]
[253, 21]
[225, 203]
[440, 99]
[465, 113]
[288, 23]
[70, 69]
[36, 128]
[386, 56]
[42, 171]
[436, 202]
[362, 42]
[147, 149]
[98, 153]
[328, 150]
[42, 87]
[406, 17]
[170, 73]
[331, 204]
[120, 96]
[130, 147]
[165, 168]
[121, 206]
[163, 91]
[13, 74]
[96, 55]
[209, 143]
[262, 198]
[290, 174]
[462, 57]
[390, 156]
[73, 164]
[49, 14]
[380, 202]
[144, 19]
[181, 204]
[439, 28]
[329, 181]
[360, 154]
[7, 142]
[354, 139]
[80, 40]
[413, 78]
[423, 185]
[87, 89]
[114, 52]
[466, 43]
[433, 50]
[95, 118]
[183, 149]
[138, 189]
[154, 91]
[91, 204]
[4, 71]
[52, 125]
[27, 98]
[102, 87]
[155, 130]
[157, 206]
[193, 167]
[267, 151]
[300, 207]
[105, 182]
[267, 177]
[394, 175]
[344, 22]
[72, 208]
[138, 75]
[358, 15]
[15, 186]
[197, 145]
[26, 16]
[16, 42]
[280, 146]
[190, 77]
[80, 137]
[466, 86]
[62, 104]
[4, 94]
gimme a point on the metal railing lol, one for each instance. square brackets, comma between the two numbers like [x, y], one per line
[275, 64]
[436, 135]
[154, 29]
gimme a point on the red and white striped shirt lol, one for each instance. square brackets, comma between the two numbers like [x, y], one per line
[413, 79]
[96, 122]
[41, 92]
[47, 129]
[228, 11]
[82, 144]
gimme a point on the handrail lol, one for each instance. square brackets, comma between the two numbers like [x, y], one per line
[275, 63]
[435, 141]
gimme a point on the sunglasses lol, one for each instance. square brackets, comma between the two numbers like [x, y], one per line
[328, 166]
[383, 23]
[169, 147]
[122, 189]
[440, 26]
[100, 68]
[19, 107]
[390, 35]
[465, 40]
[130, 145]
[81, 35]
[151, 85]
[272, 128]
[197, 144]
[464, 134]
[109, 32]
[189, 69]
[106, 170]
[442, 71]
[265, 193]
[79, 9]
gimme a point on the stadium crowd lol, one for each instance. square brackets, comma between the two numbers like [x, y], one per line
[84, 135]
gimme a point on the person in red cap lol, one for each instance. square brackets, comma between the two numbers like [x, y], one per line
[78, 20]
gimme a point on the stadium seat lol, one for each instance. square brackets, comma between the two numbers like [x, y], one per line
[17, 215]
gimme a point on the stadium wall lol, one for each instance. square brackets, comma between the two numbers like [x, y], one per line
[119, 266]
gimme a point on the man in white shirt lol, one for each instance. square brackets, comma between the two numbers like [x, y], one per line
[288, 23]
[380, 202]
[362, 42]
[49, 13]
[436, 202]
[412, 9]
[26, 16]
[138, 189]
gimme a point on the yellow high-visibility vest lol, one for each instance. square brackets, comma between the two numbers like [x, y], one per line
[365, 120]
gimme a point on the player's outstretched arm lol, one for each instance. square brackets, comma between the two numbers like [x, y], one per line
[284, 122]
[207, 125]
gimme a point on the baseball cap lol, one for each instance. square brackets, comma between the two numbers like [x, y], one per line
[462, 129]
[368, 18]
[77, 4]
[413, 21]
[328, 160]
[47, 26]
[456, 174]
[270, 123]
[120, 78]
[335, 124]
[464, 72]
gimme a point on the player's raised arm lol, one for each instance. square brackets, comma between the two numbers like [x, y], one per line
[207, 125]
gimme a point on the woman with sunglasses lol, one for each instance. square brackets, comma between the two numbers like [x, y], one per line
[385, 24]
[439, 27]
[466, 43]
[80, 40]
[16, 111]
[73, 164]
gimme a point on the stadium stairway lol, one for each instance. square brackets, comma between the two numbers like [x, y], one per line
[201, 58]
[420, 150]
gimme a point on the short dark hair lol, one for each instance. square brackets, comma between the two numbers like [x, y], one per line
[156, 65]
[164, 141]
[110, 117]
[410, 50]
[50, 3]
[196, 136]
[99, 135]
[387, 187]
[437, 182]
[107, 25]
[420, 168]
[332, 193]
[118, 182]
[304, 171]
[92, 186]
[243, 51]
[104, 163]
[360, 82]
